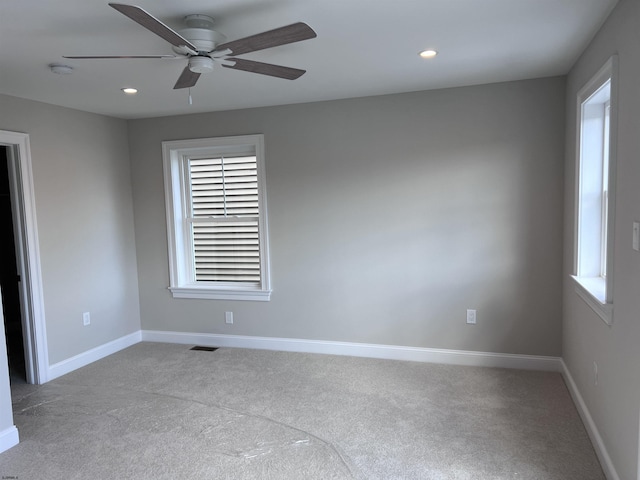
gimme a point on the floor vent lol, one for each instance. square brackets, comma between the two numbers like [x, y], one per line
[204, 349]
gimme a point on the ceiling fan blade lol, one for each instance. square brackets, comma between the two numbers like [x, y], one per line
[151, 23]
[77, 57]
[295, 32]
[187, 79]
[265, 68]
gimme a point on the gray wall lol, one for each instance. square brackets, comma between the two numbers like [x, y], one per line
[614, 403]
[389, 216]
[85, 223]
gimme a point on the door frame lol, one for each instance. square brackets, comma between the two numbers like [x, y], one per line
[27, 255]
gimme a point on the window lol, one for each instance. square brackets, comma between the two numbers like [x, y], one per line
[217, 218]
[595, 192]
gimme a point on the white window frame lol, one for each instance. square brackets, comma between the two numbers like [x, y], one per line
[594, 224]
[182, 282]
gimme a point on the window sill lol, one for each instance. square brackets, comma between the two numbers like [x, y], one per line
[221, 294]
[593, 291]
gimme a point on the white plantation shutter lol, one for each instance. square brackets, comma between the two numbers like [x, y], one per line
[224, 219]
[226, 252]
[216, 218]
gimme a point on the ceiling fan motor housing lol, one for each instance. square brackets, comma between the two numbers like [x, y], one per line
[200, 33]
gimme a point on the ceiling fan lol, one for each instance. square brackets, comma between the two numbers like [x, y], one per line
[203, 46]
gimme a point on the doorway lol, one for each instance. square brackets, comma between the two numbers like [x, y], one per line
[23, 302]
[9, 278]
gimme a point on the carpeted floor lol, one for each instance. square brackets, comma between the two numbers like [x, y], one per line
[159, 411]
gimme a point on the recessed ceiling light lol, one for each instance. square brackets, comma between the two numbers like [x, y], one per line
[428, 53]
[130, 91]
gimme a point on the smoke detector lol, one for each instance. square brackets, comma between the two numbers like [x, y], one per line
[61, 69]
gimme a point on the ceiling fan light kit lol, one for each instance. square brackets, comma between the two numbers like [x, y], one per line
[201, 64]
[203, 46]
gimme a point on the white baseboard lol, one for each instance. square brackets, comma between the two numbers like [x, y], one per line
[590, 425]
[8, 438]
[391, 352]
[70, 364]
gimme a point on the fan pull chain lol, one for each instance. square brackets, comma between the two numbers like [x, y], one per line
[190, 100]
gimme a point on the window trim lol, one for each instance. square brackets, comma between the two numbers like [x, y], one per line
[176, 200]
[597, 292]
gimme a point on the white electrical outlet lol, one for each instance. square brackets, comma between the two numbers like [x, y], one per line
[636, 236]
[86, 318]
[471, 317]
[228, 317]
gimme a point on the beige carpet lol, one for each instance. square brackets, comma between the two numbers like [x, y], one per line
[158, 411]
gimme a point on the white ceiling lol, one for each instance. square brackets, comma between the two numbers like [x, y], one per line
[364, 47]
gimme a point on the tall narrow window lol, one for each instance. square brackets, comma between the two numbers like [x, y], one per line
[604, 210]
[595, 191]
[216, 218]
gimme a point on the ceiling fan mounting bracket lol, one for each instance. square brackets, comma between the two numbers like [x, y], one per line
[199, 21]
